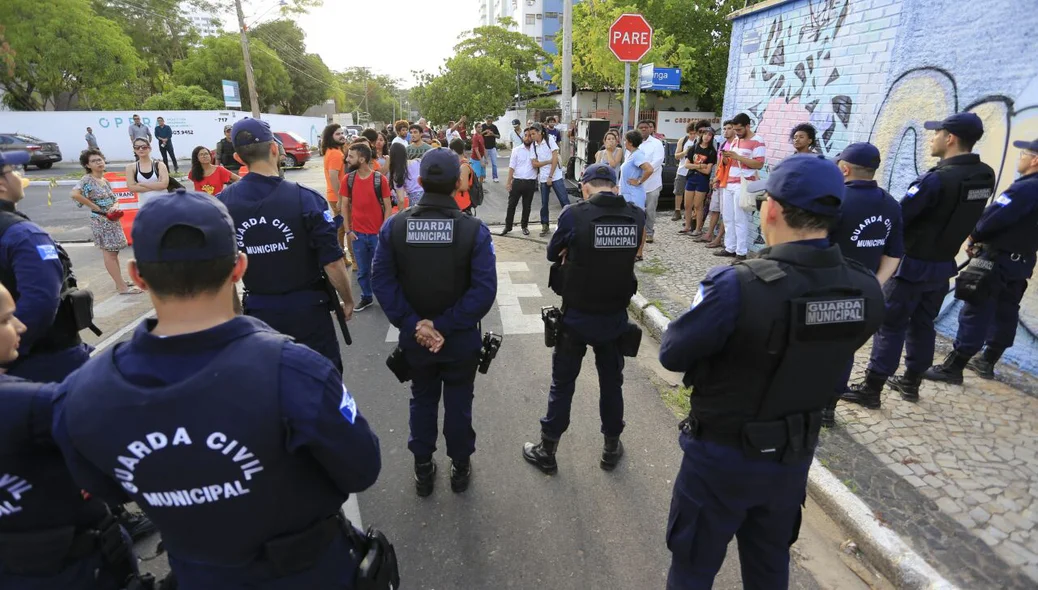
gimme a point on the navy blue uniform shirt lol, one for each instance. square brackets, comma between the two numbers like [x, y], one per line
[703, 330]
[591, 325]
[466, 312]
[1015, 203]
[30, 254]
[311, 394]
[870, 224]
[317, 217]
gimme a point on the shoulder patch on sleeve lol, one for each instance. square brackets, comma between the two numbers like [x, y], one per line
[699, 297]
[328, 216]
[348, 406]
[912, 190]
[47, 252]
[1003, 200]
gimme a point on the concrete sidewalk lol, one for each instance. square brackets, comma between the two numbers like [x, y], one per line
[954, 476]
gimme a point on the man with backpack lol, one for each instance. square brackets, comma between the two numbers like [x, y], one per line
[367, 207]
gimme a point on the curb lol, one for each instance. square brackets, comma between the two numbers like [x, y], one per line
[56, 183]
[882, 546]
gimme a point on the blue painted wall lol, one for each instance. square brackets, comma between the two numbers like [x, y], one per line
[874, 70]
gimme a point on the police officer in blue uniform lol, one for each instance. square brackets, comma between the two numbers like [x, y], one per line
[593, 252]
[869, 229]
[1002, 248]
[435, 276]
[289, 233]
[754, 330]
[38, 274]
[939, 211]
[50, 535]
[239, 444]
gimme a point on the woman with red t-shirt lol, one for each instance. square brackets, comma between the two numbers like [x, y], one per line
[208, 177]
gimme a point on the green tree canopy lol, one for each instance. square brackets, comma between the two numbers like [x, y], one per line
[65, 54]
[693, 35]
[159, 31]
[311, 80]
[183, 98]
[364, 92]
[470, 86]
[220, 58]
[514, 51]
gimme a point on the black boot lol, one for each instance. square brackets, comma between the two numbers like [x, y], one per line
[867, 392]
[137, 525]
[984, 365]
[907, 385]
[611, 453]
[461, 472]
[829, 414]
[950, 371]
[542, 456]
[424, 476]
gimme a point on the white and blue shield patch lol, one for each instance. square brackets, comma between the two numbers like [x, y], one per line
[348, 406]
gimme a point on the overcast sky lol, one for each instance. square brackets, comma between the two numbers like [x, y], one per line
[393, 36]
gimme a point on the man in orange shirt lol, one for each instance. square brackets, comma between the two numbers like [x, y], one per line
[332, 139]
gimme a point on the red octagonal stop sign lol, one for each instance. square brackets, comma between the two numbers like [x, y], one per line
[630, 37]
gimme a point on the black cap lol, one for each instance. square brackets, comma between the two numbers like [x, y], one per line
[192, 209]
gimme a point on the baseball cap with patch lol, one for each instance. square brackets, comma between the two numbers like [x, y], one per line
[801, 181]
[440, 165]
[250, 131]
[197, 210]
[13, 159]
[598, 172]
[1031, 146]
[862, 154]
[965, 125]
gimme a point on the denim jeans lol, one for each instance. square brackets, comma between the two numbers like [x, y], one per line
[560, 192]
[492, 156]
[364, 248]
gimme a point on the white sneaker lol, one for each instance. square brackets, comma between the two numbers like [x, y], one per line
[495, 180]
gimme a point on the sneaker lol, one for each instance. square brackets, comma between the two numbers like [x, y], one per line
[365, 303]
[544, 229]
[648, 239]
[495, 180]
[676, 216]
[724, 254]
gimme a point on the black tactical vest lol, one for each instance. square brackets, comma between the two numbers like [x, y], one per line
[598, 275]
[271, 232]
[36, 489]
[432, 245]
[63, 333]
[803, 312]
[205, 458]
[1021, 237]
[966, 186]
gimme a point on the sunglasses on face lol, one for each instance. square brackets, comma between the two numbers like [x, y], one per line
[142, 147]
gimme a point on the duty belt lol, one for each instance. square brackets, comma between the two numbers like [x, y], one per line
[787, 440]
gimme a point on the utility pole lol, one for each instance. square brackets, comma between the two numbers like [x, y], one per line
[567, 73]
[250, 79]
[627, 97]
[638, 96]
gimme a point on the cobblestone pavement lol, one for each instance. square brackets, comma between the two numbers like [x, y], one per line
[955, 474]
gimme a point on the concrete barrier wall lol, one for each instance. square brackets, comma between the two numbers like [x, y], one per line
[875, 70]
[190, 128]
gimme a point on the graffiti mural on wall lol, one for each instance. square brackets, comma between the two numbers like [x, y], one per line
[795, 65]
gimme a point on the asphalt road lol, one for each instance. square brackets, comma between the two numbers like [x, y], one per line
[514, 527]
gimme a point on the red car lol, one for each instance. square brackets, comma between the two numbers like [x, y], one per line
[297, 151]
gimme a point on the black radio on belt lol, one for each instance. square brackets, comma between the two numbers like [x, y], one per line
[631, 340]
[975, 283]
[398, 364]
[552, 318]
[491, 344]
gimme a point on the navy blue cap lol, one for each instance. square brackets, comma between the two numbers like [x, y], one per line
[598, 172]
[965, 125]
[862, 154]
[183, 207]
[250, 131]
[802, 180]
[440, 165]
[1031, 146]
[13, 159]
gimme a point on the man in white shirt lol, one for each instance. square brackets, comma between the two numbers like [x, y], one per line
[515, 137]
[549, 172]
[400, 129]
[654, 154]
[747, 154]
[522, 182]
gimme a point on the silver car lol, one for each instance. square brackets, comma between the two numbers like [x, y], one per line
[42, 154]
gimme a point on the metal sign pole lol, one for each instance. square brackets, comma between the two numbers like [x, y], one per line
[638, 96]
[627, 95]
